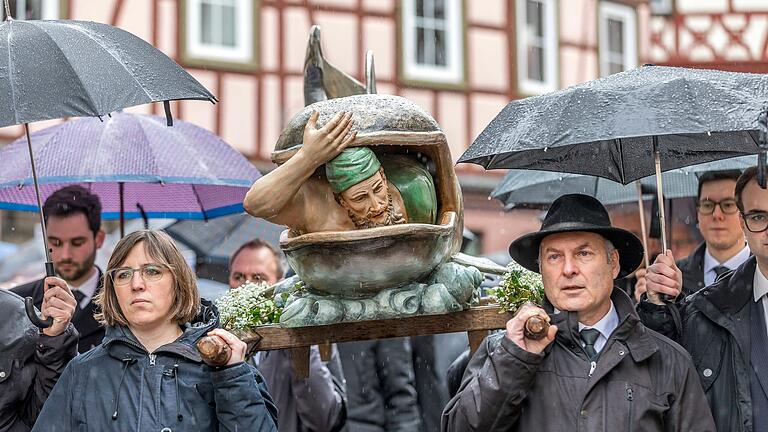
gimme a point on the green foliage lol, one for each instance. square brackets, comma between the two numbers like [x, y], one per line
[248, 306]
[518, 285]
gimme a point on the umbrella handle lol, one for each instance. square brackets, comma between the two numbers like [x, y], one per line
[29, 304]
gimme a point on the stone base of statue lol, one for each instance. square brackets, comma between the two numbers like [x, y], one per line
[450, 288]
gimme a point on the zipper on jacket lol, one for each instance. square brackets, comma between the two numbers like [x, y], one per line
[592, 366]
[152, 358]
[630, 398]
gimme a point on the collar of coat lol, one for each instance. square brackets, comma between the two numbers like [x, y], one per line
[730, 294]
[630, 331]
[121, 343]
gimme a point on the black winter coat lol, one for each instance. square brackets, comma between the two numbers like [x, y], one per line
[692, 268]
[119, 386]
[91, 332]
[716, 331]
[30, 364]
[642, 381]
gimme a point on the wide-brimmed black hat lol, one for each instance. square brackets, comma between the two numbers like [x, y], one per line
[578, 213]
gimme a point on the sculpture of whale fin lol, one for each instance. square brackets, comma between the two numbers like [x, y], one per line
[322, 80]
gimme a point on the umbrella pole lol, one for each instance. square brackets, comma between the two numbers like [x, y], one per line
[121, 189]
[643, 232]
[49, 271]
[660, 193]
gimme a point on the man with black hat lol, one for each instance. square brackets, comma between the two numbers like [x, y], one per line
[605, 371]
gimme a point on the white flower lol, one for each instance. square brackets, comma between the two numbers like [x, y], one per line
[247, 306]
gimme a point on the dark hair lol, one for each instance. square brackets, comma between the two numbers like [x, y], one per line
[710, 176]
[258, 244]
[71, 200]
[746, 177]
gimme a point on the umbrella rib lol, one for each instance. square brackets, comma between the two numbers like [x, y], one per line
[79, 80]
[200, 203]
[10, 68]
[109, 52]
[621, 158]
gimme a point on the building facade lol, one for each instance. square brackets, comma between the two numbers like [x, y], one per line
[714, 34]
[461, 60]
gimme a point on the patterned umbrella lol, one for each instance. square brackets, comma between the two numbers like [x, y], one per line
[53, 69]
[137, 166]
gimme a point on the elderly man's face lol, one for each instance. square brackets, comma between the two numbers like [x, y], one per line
[578, 273]
[368, 202]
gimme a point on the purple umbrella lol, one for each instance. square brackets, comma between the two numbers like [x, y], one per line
[137, 165]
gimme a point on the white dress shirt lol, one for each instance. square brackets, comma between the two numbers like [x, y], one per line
[88, 288]
[605, 326]
[760, 288]
[710, 263]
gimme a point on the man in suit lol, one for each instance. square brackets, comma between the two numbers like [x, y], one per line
[719, 223]
[316, 403]
[723, 326]
[73, 221]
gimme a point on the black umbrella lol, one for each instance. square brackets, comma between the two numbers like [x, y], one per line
[53, 69]
[215, 240]
[629, 125]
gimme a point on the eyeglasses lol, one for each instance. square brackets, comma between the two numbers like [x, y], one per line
[756, 221]
[150, 272]
[707, 207]
[241, 278]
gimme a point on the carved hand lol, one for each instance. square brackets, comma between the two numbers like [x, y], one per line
[323, 144]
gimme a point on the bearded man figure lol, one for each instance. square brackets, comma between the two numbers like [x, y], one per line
[297, 195]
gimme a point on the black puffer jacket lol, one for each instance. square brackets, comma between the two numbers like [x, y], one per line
[716, 331]
[641, 382]
[30, 364]
[119, 386]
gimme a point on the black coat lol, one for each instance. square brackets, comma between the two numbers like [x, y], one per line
[30, 364]
[381, 393]
[119, 386]
[642, 381]
[716, 331]
[91, 332]
[692, 268]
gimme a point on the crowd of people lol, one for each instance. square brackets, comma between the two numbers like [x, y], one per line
[687, 350]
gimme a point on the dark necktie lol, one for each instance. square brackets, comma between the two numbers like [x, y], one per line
[589, 336]
[719, 270]
[79, 296]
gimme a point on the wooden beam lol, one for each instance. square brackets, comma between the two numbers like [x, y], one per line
[300, 360]
[482, 318]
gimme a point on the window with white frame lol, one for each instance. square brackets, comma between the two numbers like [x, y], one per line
[536, 46]
[33, 9]
[220, 30]
[433, 42]
[661, 7]
[617, 38]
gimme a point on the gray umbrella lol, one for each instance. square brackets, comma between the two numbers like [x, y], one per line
[629, 125]
[53, 69]
[526, 188]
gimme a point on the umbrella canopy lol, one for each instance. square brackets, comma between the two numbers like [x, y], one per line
[541, 188]
[182, 172]
[54, 69]
[215, 241]
[607, 127]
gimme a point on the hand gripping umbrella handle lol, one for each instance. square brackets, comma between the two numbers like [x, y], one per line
[29, 304]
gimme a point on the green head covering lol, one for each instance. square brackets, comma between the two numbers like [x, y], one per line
[351, 167]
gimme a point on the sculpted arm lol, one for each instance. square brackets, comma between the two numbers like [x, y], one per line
[276, 197]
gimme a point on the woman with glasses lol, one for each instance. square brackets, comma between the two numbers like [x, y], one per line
[147, 374]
